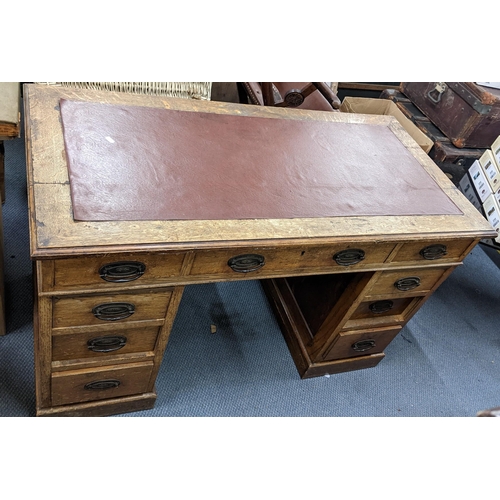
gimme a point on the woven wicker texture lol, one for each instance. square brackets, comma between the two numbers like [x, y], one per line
[186, 90]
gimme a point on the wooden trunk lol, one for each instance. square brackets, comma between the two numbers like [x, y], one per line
[467, 113]
[452, 160]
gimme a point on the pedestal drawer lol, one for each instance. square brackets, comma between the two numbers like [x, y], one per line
[104, 344]
[405, 283]
[100, 383]
[110, 308]
[356, 343]
[388, 312]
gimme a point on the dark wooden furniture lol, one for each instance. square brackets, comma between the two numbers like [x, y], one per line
[305, 95]
[107, 292]
[467, 113]
[454, 161]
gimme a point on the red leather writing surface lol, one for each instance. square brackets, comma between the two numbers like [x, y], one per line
[139, 163]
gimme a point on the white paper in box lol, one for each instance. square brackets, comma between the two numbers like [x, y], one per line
[468, 190]
[478, 177]
[492, 213]
[496, 194]
[489, 166]
[495, 149]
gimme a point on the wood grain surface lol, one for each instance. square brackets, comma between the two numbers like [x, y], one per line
[54, 232]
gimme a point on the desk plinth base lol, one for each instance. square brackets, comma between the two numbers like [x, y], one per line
[102, 408]
[286, 310]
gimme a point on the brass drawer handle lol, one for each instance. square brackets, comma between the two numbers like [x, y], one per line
[121, 272]
[381, 306]
[405, 284]
[363, 345]
[107, 344]
[246, 263]
[433, 252]
[113, 311]
[101, 385]
[349, 257]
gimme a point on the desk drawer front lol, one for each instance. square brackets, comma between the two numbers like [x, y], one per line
[266, 261]
[433, 252]
[356, 343]
[395, 311]
[95, 384]
[405, 283]
[115, 270]
[103, 345]
[113, 308]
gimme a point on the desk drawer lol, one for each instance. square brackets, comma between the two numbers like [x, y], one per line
[356, 343]
[103, 345]
[95, 384]
[388, 312]
[109, 308]
[265, 261]
[433, 252]
[115, 270]
[405, 283]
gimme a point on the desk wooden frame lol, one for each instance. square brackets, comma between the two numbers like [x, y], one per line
[61, 245]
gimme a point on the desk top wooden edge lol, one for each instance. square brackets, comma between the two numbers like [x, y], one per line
[54, 232]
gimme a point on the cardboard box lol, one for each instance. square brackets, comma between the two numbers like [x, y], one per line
[366, 106]
[495, 149]
[467, 187]
[489, 166]
[492, 213]
[478, 177]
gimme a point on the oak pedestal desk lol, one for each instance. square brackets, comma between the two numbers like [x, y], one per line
[107, 292]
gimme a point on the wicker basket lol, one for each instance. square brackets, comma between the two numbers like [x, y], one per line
[186, 90]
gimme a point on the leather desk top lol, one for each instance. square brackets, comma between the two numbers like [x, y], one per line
[54, 233]
[140, 163]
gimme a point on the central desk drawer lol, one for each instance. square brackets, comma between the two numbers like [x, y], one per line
[95, 384]
[266, 261]
[104, 344]
[110, 308]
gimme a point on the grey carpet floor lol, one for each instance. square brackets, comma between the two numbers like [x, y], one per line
[445, 362]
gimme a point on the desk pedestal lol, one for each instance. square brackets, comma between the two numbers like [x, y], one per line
[297, 335]
[343, 322]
